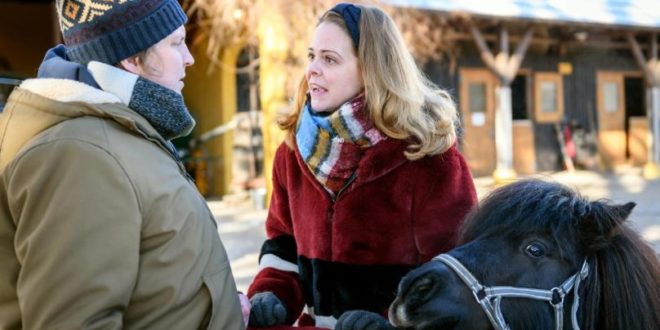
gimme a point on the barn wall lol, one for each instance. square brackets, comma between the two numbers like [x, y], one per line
[579, 88]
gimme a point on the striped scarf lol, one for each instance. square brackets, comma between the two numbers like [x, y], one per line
[333, 145]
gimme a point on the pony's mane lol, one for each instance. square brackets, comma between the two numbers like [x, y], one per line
[623, 291]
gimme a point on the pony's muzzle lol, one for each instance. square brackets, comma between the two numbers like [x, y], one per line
[415, 290]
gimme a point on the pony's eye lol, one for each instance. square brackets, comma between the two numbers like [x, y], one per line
[535, 250]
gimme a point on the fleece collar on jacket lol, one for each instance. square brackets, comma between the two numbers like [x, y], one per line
[377, 161]
[38, 104]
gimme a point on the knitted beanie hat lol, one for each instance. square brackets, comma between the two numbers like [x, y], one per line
[109, 31]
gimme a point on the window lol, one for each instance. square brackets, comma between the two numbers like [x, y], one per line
[611, 97]
[548, 97]
[477, 92]
[477, 103]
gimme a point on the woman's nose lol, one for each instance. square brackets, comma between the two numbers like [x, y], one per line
[313, 68]
[188, 59]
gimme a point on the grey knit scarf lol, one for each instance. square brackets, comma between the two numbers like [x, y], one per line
[163, 108]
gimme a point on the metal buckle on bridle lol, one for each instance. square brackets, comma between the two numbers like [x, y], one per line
[480, 295]
[490, 297]
[557, 297]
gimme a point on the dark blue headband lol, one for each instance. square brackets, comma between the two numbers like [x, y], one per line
[351, 15]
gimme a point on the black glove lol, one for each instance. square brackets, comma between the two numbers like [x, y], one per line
[267, 310]
[362, 320]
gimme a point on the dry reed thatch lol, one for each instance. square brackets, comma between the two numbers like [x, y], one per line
[234, 23]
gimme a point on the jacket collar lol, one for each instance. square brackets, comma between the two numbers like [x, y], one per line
[67, 90]
[382, 160]
[69, 99]
[378, 160]
[57, 64]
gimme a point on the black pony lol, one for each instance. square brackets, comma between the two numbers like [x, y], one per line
[544, 236]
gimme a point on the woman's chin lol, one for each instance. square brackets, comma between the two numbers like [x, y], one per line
[325, 107]
[320, 108]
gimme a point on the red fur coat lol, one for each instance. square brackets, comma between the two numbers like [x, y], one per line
[349, 252]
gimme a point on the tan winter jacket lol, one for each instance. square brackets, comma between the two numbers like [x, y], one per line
[99, 226]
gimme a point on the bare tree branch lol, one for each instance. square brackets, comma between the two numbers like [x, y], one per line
[486, 55]
[651, 76]
[654, 47]
[504, 41]
[637, 51]
[516, 60]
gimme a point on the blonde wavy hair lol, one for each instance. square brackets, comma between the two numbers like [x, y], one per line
[401, 102]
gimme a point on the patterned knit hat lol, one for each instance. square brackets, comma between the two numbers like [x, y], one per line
[109, 31]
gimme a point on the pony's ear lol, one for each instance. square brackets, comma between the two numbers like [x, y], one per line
[626, 209]
[601, 223]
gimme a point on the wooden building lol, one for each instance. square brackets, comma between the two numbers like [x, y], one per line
[524, 70]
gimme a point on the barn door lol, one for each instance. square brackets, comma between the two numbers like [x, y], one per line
[477, 102]
[611, 118]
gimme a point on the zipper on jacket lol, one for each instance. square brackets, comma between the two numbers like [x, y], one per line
[330, 213]
[350, 180]
[331, 209]
[179, 161]
[169, 147]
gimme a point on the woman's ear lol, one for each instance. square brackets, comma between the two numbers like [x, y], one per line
[131, 64]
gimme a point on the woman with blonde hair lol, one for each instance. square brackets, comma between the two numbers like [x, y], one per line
[368, 185]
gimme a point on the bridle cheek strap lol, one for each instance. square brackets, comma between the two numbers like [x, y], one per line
[489, 298]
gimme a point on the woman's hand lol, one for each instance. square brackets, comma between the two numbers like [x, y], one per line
[267, 310]
[362, 320]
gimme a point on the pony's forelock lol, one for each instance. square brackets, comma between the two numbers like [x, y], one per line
[526, 207]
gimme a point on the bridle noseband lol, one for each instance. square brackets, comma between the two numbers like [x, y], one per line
[490, 297]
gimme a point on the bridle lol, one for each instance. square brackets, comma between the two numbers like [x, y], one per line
[490, 297]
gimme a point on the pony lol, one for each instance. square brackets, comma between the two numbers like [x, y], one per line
[536, 255]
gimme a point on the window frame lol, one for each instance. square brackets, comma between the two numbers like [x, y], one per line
[548, 117]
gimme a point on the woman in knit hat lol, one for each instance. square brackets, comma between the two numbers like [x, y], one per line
[369, 184]
[100, 226]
